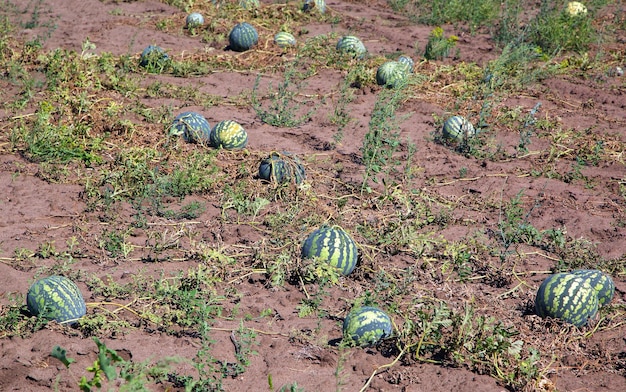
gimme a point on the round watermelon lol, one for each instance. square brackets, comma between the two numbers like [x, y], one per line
[249, 4]
[154, 58]
[351, 45]
[407, 62]
[314, 5]
[281, 168]
[194, 20]
[601, 283]
[567, 297]
[192, 126]
[229, 135]
[458, 128]
[242, 37]
[56, 298]
[366, 326]
[284, 39]
[391, 74]
[332, 245]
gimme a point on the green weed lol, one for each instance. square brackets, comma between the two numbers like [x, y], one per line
[438, 47]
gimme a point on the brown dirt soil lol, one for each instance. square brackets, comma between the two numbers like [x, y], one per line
[40, 206]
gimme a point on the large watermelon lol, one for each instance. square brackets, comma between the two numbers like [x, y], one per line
[366, 326]
[192, 126]
[229, 135]
[601, 282]
[351, 45]
[332, 245]
[391, 74]
[56, 298]
[242, 37]
[458, 128]
[281, 168]
[567, 297]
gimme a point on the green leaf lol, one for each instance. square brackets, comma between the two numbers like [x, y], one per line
[61, 354]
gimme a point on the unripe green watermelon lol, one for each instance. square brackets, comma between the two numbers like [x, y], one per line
[154, 58]
[567, 297]
[390, 74]
[458, 128]
[407, 62]
[281, 168]
[229, 135]
[56, 298]
[366, 326]
[192, 126]
[249, 4]
[284, 39]
[242, 37]
[314, 5]
[332, 245]
[601, 283]
[351, 45]
[194, 20]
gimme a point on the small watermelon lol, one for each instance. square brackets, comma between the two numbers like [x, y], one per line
[242, 37]
[332, 245]
[192, 126]
[314, 5]
[601, 282]
[567, 297]
[458, 127]
[391, 74]
[366, 326]
[281, 168]
[407, 62]
[249, 4]
[56, 298]
[351, 45]
[194, 20]
[284, 39]
[154, 58]
[229, 135]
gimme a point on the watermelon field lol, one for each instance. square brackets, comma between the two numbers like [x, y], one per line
[226, 195]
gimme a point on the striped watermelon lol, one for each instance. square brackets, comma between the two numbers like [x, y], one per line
[154, 58]
[391, 74]
[229, 135]
[366, 326]
[407, 62]
[284, 39]
[332, 245]
[567, 297]
[314, 5]
[56, 298]
[350, 44]
[194, 20]
[458, 128]
[281, 168]
[242, 37]
[601, 282]
[249, 4]
[192, 126]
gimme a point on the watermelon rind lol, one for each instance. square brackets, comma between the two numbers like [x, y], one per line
[242, 37]
[332, 245]
[458, 128]
[567, 297]
[366, 326]
[351, 45]
[281, 168]
[192, 126]
[601, 283]
[56, 298]
[229, 135]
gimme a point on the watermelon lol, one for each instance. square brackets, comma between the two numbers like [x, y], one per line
[332, 245]
[194, 20]
[229, 135]
[407, 62]
[351, 45]
[365, 326]
[281, 168]
[314, 5]
[242, 37]
[284, 39]
[458, 128]
[154, 58]
[567, 297]
[192, 126]
[601, 283]
[249, 4]
[391, 74]
[56, 298]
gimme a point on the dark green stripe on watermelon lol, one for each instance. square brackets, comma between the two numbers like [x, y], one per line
[601, 283]
[56, 298]
[366, 326]
[566, 297]
[332, 245]
[242, 37]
